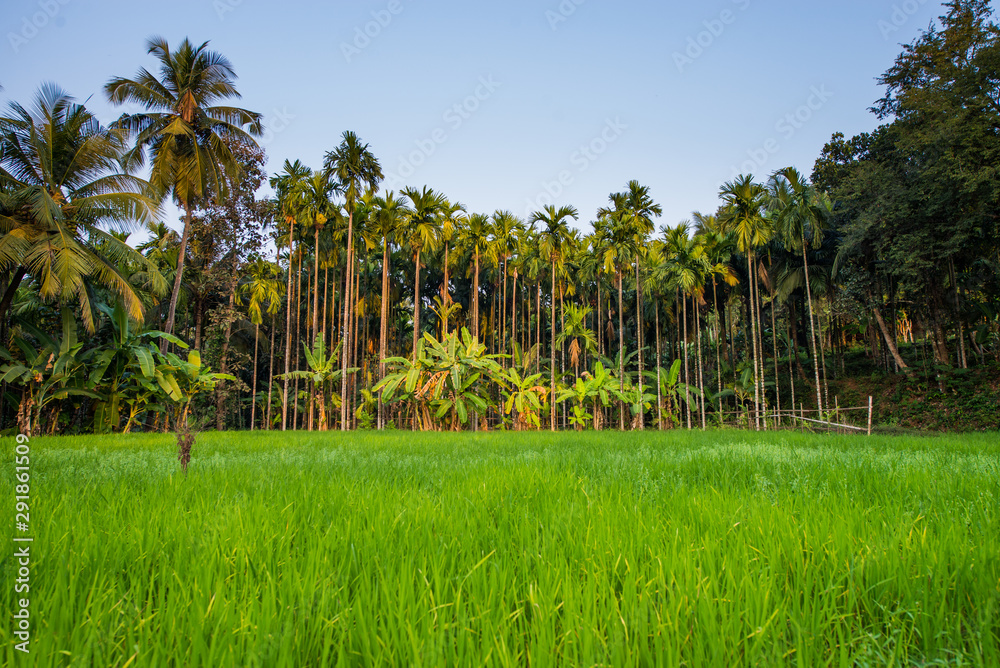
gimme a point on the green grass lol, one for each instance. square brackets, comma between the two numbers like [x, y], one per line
[691, 549]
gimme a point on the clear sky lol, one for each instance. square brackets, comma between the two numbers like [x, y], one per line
[508, 105]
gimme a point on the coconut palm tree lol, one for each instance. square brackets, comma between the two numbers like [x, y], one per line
[553, 238]
[355, 168]
[187, 137]
[59, 171]
[744, 201]
[422, 230]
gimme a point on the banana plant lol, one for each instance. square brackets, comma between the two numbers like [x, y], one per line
[672, 393]
[182, 381]
[127, 372]
[524, 399]
[580, 392]
[323, 370]
[445, 383]
[52, 372]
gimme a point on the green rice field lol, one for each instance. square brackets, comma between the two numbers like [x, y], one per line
[591, 549]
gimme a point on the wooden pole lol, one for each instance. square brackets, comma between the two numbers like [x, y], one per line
[870, 407]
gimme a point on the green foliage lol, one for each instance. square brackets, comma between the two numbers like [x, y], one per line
[446, 383]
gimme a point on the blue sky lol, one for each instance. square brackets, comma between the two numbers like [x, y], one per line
[509, 105]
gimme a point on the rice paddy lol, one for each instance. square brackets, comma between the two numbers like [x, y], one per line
[307, 549]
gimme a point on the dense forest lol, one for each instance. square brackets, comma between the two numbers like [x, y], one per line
[315, 299]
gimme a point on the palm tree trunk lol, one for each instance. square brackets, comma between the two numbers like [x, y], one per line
[416, 306]
[687, 375]
[701, 374]
[175, 294]
[659, 363]
[270, 370]
[447, 292]
[718, 336]
[345, 350]
[298, 339]
[253, 391]
[383, 330]
[503, 324]
[638, 338]
[513, 311]
[552, 350]
[812, 326]
[288, 333]
[315, 323]
[753, 333]
[475, 296]
[621, 354]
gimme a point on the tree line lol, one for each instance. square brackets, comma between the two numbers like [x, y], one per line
[333, 303]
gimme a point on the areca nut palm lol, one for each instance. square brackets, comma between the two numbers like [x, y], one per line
[505, 230]
[356, 168]
[744, 200]
[641, 209]
[389, 217]
[289, 187]
[475, 236]
[452, 216]
[553, 238]
[801, 219]
[61, 183]
[260, 288]
[186, 135]
[422, 234]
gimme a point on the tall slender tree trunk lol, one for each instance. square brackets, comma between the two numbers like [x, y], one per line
[812, 326]
[270, 370]
[687, 376]
[383, 333]
[701, 374]
[503, 324]
[288, 331]
[345, 350]
[659, 364]
[175, 294]
[416, 306]
[253, 391]
[621, 352]
[475, 295]
[552, 350]
[446, 297]
[298, 340]
[513, 311]
[753, 333]
[638, 338]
